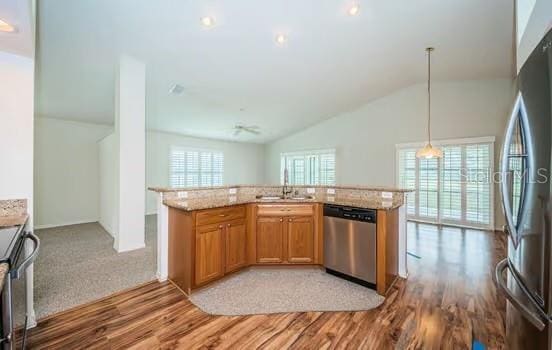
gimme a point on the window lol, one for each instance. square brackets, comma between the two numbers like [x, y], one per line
[309, 168]
[195, 168]
[456, 189]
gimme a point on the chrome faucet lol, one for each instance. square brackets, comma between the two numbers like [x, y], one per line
[286, 189]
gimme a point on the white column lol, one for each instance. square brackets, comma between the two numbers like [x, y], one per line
[130, 127]
[403, 268]
[162, 239]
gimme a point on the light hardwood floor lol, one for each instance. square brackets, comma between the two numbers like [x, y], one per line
[448, 301]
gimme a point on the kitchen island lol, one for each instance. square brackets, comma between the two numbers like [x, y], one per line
[205, 234]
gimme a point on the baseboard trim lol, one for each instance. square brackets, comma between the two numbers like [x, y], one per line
[129, 249]
[107, 229]
[40, 227]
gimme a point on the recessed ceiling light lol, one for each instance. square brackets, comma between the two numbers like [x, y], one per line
[6, 27]
[207, 21]
[354, 10]
[281, 39]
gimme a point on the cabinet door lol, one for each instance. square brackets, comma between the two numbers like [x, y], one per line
[235, 245]
[270, 240]
[300, 239]
[209, 253]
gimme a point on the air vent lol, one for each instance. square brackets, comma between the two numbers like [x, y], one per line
[176, 89]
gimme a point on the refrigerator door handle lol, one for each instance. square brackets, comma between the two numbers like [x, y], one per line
[506, 230]
[535, 319]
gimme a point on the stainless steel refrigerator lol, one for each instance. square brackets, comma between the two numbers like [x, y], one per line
[525, 276]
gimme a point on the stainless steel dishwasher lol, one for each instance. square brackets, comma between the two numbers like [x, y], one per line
[350, 243]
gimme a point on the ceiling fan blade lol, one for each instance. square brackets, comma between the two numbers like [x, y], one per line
[252, 131]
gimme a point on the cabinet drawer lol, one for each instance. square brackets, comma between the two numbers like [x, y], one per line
[214, 216]
[285, 210]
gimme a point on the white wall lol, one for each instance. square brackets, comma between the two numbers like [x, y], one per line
[365, 139]
[66, 171]
[16, 127]
[243, 162]
[73, 159]
[534, 19]
[107, 190]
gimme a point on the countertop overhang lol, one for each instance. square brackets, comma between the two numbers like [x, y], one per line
[337, 187]
[210, 203]
[214, 197]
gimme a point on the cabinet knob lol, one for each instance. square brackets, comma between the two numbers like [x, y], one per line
[228, 225]
[220, 226]
[281, 219]
[289, 220]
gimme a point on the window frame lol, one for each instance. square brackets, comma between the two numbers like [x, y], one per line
[174, 148]
[463, 142]
[308, 156]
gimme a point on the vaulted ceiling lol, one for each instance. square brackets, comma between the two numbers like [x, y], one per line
[234, 72]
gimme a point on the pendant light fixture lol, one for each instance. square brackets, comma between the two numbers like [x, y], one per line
[429, 151]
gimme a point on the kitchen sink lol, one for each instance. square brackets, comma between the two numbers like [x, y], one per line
[270, 197]
[278, 197]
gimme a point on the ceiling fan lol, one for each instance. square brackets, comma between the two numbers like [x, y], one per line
[253, 129]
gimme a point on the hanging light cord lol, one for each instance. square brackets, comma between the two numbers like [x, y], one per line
[429, 49]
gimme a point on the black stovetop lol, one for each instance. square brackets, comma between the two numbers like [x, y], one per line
[10, 242]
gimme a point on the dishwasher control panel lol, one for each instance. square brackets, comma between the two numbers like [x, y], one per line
[350, 213]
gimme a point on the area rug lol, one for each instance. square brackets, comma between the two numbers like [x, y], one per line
[268, 291]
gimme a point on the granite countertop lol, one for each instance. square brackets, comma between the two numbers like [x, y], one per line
[345, 187]
[13, 220]
[216, 202]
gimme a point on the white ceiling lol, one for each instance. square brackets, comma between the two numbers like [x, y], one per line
[18, 14]
[234, 72]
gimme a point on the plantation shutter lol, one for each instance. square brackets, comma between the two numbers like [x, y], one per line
[193, 168]
[407, 177]
[478, 191]
[428, 187]
[451, 184]
[309, 168]
[456, 189]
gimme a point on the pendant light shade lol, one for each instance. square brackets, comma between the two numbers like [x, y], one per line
[429, 151]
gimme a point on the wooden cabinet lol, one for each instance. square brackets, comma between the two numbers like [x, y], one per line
[285, 234]
[209, 247]
[300, 239]
[284, 210]
[220, 244]
[270, 240]
[236, 239]
[219, 215]
[205, 245]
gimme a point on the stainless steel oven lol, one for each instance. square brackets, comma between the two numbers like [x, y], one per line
[350, 243]
[12, 253]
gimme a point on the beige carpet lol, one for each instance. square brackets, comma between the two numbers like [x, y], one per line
[77, 264]
[267, 291]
